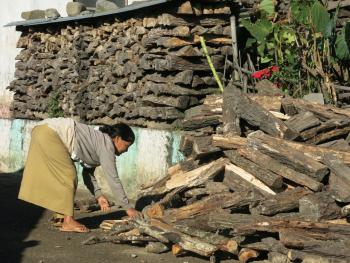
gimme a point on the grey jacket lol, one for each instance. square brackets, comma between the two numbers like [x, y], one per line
[95, 148]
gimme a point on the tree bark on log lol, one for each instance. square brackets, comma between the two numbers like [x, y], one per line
[287, 155]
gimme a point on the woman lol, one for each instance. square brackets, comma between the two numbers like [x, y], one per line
[50, 178]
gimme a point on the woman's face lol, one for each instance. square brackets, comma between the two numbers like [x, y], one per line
[121, 145]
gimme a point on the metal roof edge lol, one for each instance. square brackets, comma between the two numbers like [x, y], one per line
[129, 8]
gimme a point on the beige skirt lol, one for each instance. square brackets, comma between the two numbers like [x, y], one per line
[49, 177]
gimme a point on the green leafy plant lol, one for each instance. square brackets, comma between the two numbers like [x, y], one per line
[54, 109]
[306, 47]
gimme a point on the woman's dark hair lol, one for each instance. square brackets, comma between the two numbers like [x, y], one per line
[121, 130]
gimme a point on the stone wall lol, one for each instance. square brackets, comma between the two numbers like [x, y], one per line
[144, 68]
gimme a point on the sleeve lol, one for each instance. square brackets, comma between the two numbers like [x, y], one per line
[106, 154]
[91, 182]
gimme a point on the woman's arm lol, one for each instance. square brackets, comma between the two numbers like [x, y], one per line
[91, 182]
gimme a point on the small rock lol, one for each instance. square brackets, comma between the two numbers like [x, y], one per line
[133, 255]
[86, 12]
[315, 97]
[74, 8]
[58, 246]
[105, 5]
[52, 13]
[34, 14]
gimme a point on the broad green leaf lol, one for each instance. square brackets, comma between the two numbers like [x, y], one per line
[341, 47]
[300, 12]
[260, 30]
[320, 18]
[264, 60]
[268, 6]
[250, 42]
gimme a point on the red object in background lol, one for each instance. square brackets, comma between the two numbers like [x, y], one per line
[265, 73]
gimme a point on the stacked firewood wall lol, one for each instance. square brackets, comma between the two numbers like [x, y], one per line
[145, 70]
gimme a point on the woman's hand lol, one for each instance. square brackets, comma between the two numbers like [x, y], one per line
[103, 202]
[131, 212]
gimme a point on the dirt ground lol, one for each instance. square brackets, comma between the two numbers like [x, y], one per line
[26, 235]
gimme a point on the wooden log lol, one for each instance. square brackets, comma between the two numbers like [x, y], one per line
[202, 147]
[319, 206]
[188, 51]
[257, 116]
[180, 102]
[210, 203]
[231, 123]
[330, 135]
[271, 179]
[267, 244]
[175, 63]
[329, 125]
[287, 155]
[246, 254]
[262, 159]
[341, 145]
[321, 111]
[197, 176]
[170, 20]
[224, 243]
[303, 121]
[250, 178]
[237, 183]
[339, 181]
[329, 249]
[167, 89]
[283, 202]
[185, 241]
[231, 142]
[177, 250]
[201, 122]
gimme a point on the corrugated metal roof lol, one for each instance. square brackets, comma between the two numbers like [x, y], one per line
[122, 10]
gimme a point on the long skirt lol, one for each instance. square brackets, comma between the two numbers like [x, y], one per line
[49, 177]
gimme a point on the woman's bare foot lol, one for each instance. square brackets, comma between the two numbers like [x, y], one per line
[71, 225]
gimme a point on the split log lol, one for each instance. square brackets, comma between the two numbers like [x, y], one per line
[246, 254]
[180, 102]
[339, 180]
[267, 244]
[230, 118]
[250, 178]
[330, 135]
[210, 203]
[185, 241]
[269, 178]
[287, 155]
[283, 202]
[326, 126]
[257, 116]
[197, 176]
[262, 159]
[303, 121]
[323, 112]
[170, 20]
[224, 243]
[319, 206]
[197, 147]
[329, 249]
[338, 145]
[237, 183]
[201, 122]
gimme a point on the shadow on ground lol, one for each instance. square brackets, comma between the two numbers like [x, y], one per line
[17, 219]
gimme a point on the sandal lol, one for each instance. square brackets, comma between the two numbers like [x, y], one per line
[78, 229]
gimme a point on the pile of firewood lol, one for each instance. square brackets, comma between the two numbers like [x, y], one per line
[142, 68]
[263, 190]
